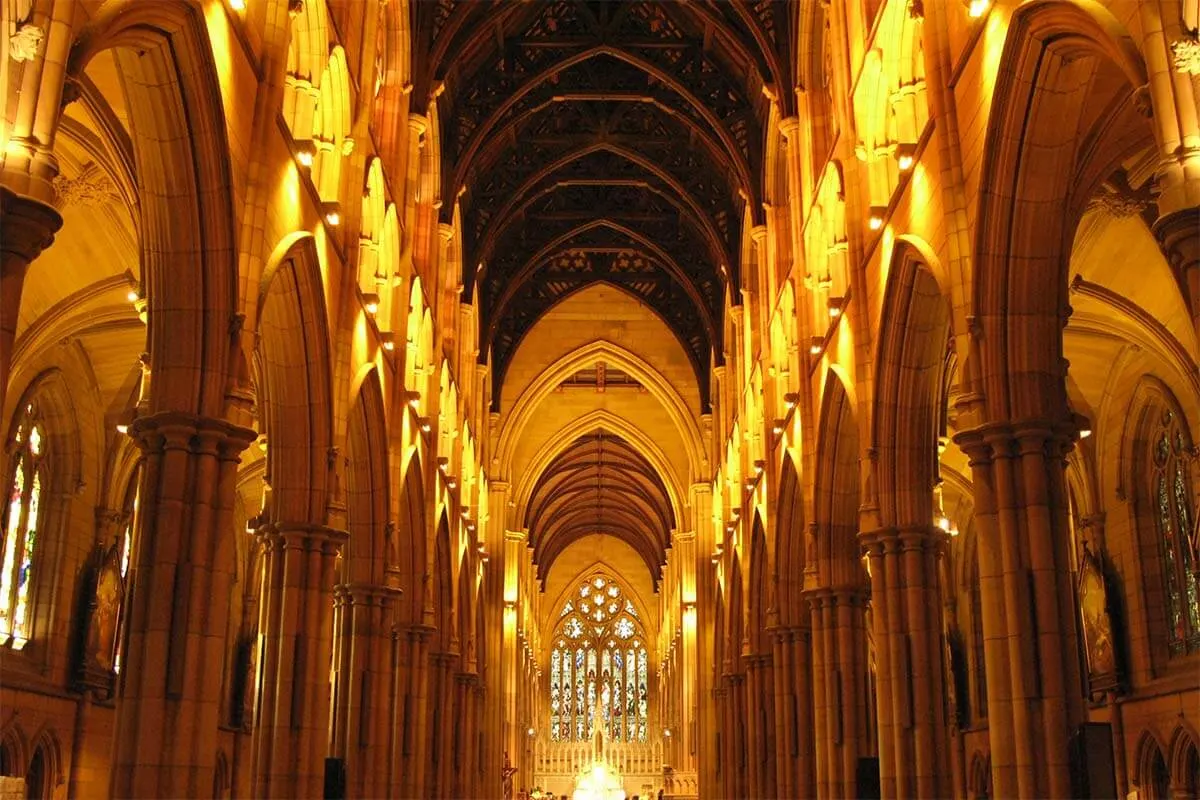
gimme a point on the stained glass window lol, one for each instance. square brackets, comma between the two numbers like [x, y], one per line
[20, 529]
[598, 666]
[1175, 523]
[126, 553]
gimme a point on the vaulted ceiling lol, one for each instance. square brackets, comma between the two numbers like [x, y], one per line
[602, 140]
[600, 484]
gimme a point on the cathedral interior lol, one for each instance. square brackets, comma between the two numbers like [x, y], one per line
[600, 399]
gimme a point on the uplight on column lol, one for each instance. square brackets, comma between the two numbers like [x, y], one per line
[304, 151]
[835, 306]
[906, 156]
[332, 213]
[370, 302]
[815, 345]
[977, 8]
[876, 216]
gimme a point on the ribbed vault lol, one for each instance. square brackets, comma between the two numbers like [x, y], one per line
[601, 140]
[600, 484]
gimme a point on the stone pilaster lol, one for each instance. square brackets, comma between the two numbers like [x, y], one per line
[27, 227]
[178, 609]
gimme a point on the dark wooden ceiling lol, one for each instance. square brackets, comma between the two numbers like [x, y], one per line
[602, 140]
[600, 484]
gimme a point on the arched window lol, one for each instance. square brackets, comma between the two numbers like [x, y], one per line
[598, 662]
[35, 776]
[124, 553]
[1174, 521]
[20, 526]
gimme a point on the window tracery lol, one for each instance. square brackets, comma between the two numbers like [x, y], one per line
[20, 530]
[599, 654]
[1175, 523]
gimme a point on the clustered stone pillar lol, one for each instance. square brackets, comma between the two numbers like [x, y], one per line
[1035, 697]
[296, 629]
[179, 609]
[464, 727]
[839, 676]
[724, 737]
[27, 227]
[363, 694]
[761, 726]
[411, 688]
[793, 711]
[442, 732]
[907, 620]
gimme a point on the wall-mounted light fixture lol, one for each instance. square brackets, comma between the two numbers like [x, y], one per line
[906, 156]
[835, 306]
[370, 302]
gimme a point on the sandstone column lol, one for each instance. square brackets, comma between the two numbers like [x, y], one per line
[27, 227]
[1028, 604]
[839, 650]
[913, 743]
[296, 630]
[412, 675]
[178, 607]
[363, 695]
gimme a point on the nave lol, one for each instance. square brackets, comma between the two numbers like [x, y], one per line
[600, 399]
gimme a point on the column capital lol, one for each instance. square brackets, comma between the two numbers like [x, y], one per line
[789, 127]
[178, 430]
[27, 227]
[838, 596]
[902, 538]
[419, 632]
[303, 536]
[367, 594]
[1009, 439]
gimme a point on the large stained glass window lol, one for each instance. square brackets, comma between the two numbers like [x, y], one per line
[598, 665]
[1176, 526]
[20, 529]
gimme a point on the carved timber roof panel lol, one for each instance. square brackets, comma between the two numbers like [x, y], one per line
[646, 115]
[600, 484]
